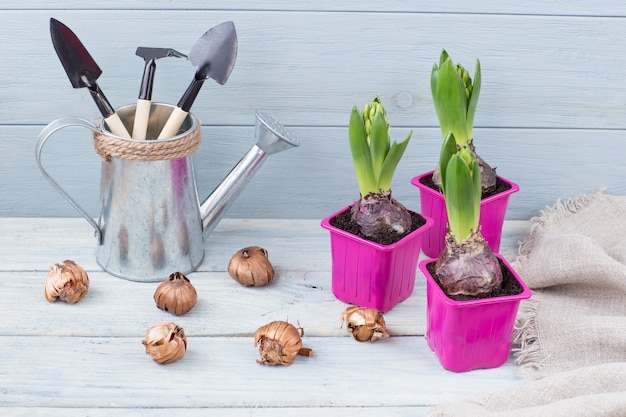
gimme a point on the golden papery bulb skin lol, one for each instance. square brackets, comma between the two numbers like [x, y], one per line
[67, 282]
[251, 267]
[165, 342]
[176, 294]
[279, 343]
[365, 324]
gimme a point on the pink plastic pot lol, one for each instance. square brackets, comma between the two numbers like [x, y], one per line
[492, 212]
[372, 275]
[473, 334]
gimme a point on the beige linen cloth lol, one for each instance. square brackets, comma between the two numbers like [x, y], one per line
[570, 337]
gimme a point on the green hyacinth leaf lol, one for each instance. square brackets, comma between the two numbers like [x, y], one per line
[459, 198]
[478, 193]
[391, 163]
[443, 56]
[448, 148]
[434, 76]
[470, 159]
[361, 153]
[451, 102]
[473, 103]
[379, 143]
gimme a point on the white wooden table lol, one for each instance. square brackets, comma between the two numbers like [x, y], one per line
[88, 359]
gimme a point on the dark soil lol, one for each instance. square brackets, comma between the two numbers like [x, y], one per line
[510, 286]
[501, 186]
[344, 222]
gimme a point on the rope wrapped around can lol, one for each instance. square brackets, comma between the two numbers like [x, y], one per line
[146, 150]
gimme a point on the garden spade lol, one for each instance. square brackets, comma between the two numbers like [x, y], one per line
[214, 56]
[142, 112]
[83, 71]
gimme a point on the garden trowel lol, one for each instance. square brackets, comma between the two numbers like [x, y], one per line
[83, 71]
[214, 56]
[142, 112]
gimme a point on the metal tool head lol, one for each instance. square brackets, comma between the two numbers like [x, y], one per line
[80, 67]
[215, 53]
[148, 53]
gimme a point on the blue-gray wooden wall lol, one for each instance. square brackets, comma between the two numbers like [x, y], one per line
[550, 116]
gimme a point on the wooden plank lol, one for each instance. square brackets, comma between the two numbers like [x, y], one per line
[301, 292]
[330, 411]
[317, 179]
[308, 68]
[105, 372]
[528, 7]
[31, 245]
[116, 307]
[303, 72]
[65, 359]
[293, 245]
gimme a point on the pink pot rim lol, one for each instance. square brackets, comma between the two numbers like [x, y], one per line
[326, 225]
[514, 188]
[525, 294]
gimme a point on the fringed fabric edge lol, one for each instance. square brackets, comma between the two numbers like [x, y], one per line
[527, 348]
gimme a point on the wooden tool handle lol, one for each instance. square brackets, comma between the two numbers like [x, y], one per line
[142, 112]
[116, 126]
[173, 123]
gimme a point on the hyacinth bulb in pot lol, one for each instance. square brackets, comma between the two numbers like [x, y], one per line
[375, 241]
[472, 294]
[455, 97]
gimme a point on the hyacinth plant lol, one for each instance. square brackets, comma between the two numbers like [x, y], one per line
[467, 266]
[455, 97]
[375, 160]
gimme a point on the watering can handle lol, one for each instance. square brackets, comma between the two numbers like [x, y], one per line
[46, 133]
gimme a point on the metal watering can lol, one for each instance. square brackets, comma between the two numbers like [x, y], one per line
[151, 222]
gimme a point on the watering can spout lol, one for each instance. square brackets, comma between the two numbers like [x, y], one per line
[271, 137]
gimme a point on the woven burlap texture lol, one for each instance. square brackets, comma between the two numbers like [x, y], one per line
[570, 337]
